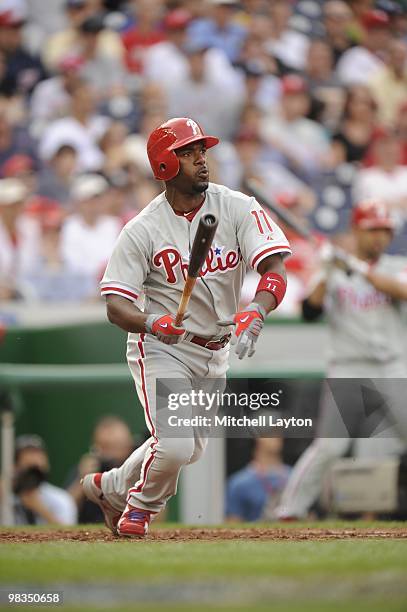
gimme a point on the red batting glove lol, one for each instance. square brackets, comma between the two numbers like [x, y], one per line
[164, 328]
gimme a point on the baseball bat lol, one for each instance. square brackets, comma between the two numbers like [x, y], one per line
[271, 205]
[199, 252]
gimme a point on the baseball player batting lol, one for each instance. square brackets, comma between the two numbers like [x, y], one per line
[152, 257]
[363, 299]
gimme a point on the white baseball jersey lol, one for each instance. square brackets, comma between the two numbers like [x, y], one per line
[364, 323]
[152, 253]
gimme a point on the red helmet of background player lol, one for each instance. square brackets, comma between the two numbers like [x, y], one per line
[168, 137]
[372, 214]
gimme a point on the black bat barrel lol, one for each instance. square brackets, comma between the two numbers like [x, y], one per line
[202, 243]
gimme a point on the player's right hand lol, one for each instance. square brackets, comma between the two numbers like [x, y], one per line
[164, 329]
[350, 263]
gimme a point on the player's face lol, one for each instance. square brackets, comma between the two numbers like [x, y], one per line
[193, 176]
[373, 242]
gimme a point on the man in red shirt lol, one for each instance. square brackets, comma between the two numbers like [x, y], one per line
[145, 33]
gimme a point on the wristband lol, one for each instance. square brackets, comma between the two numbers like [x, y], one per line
[273, 283]
[148, 323]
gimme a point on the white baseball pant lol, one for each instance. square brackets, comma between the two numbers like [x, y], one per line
[306, 480]
[149, 477]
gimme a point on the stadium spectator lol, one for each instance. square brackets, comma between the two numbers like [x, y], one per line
[14, 137]
[386, 178]
[90, 115]
[49, 278]
[360, 8]
[104, 72]
[318, 69]
[82, 129]
[324, 87]
[360, 63]
[19, 237]
[43, 20]
[169, 52]
[36, 500]
[112, 146]
[251, 9]
[111, 444]
[254, 52]
[278, 181]
[259, 86]
[23, 70]
[153, 100]
[351, 141]
[135, 145]
[399, 19]
[50, 99]
[22, 168]
[68, 41]
[88, 235]
[303, 142]
[116, 202]
[337, 21]
[287, 45]
[8, 85]
[56, 176]
[254, 491]
[401, 130]
[145, 32]
[220, 29]
[389, 84]
[250, 122]
[140, 188]
[215, 105]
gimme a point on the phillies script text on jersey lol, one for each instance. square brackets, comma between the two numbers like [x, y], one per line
[151, 257]
[171, 260]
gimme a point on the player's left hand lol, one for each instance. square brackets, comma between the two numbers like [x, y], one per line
[249, 323]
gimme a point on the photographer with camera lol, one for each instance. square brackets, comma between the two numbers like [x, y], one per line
[37, 501]
[112, 442]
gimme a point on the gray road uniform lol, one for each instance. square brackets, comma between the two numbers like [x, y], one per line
[151, 258]
[367, 339]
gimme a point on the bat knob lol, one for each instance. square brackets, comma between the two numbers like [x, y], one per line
[209, 219]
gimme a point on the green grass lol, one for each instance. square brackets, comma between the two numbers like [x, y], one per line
[353, 575]
[83, 562]
[345, 606]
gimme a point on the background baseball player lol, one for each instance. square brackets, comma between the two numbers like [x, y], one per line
[363, 299]
[151, 257]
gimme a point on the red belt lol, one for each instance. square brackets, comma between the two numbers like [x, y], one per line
[213, 345]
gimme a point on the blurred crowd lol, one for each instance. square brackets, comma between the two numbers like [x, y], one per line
[37, 501]
[309, 98]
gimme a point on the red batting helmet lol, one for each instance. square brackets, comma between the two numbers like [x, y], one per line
[168, 137]
[372, 215]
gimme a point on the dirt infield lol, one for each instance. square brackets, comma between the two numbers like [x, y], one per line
[205, 534]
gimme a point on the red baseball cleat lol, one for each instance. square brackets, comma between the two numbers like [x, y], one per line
[93, 490]
[134, 522]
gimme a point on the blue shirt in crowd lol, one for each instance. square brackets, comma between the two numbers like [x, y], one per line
[230, 39]
[249, 491]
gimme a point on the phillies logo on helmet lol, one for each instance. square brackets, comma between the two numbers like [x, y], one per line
[218, 261]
